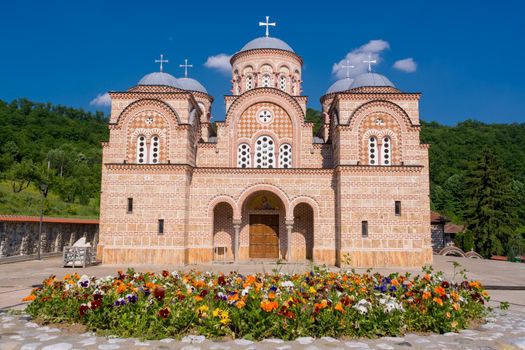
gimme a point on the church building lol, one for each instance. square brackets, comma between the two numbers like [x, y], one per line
[178, 189]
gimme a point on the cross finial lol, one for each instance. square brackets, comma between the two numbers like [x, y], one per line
[348, 67]
[161, 61]
[186, 66]
[267, 24]
[370, 61]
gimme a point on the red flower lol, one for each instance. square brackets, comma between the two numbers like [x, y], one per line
[159, 293]
[165, 273]
[165, 312]
[95, 304]
[83, 309]
[221, 280]
[445, 284]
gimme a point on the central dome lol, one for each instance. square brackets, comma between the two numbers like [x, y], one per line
[340, 85]
[267, 42]
[159, 78]
[371, 79]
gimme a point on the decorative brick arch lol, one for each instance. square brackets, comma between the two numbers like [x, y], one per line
[268, 188]
[384, 107]
[223, 199]
[266, 95]
[148, 104]
[307, 200]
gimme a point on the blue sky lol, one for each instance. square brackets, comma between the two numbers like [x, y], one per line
[470, 55]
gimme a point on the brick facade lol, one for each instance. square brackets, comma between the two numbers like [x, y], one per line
[203, 197]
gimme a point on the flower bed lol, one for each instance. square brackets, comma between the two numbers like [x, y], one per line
[319, 303]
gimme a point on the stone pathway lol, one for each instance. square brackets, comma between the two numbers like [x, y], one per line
[504, 330]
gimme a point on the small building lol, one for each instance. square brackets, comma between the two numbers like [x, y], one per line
[443, 231]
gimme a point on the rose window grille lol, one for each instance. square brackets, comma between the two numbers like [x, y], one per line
[264, 152]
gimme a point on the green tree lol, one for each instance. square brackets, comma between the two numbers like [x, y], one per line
[21, 175]
[490, 213]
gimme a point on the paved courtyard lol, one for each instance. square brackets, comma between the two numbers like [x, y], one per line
[503, 331]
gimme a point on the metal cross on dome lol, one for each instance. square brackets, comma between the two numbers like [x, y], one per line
[161, 61]
[267, 24]
[348, 67]
[370, 61]
[186, 66]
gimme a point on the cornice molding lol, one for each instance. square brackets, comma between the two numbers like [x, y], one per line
[255, 52]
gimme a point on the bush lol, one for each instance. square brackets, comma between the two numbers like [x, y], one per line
[319, 303]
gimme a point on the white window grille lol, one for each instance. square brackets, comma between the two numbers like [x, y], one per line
[141, 149]
[154, 150]
[285, 156]
[282, 83]
[265, 116]
[243, 156]
[372, 151]
[265, 152]
[266, 80]
[249, 82]
[386, 154]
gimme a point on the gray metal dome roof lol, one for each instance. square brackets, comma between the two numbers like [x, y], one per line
[340, 85]
[159, 78]
[191, 84]
[371, 79]
[267, 42]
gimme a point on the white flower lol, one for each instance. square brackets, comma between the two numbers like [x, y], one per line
[175, 274]
[245, 291]
[390, 304]
[362, 306]
[287, 284]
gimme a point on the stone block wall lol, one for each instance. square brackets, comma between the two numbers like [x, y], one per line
[19, 235]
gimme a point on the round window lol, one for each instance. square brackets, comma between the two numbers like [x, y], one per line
[265, 116]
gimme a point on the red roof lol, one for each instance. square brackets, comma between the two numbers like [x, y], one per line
[436, 217]
[19, 218]
[453, 228]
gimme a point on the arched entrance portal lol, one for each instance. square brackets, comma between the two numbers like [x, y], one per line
[264, 231]
[223, 232]
[303, 232]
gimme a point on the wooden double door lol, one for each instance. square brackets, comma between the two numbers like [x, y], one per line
[264, 236]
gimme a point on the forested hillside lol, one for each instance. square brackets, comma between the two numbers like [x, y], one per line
[56, 148]
[53, 148]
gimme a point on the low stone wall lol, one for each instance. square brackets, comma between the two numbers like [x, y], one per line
[19, 234]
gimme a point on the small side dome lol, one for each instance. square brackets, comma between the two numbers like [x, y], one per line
[191, 85]
[267, 42]
[340, 85]
[159, 78]
[371, 79]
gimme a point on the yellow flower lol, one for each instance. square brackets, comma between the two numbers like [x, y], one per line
[312, 290]
[225, 317]
[216, 312]
[454, 324]
[201, 310]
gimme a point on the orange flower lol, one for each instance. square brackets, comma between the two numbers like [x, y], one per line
[29, 298]
[439, 291]
[121, 288]
[438, 301]
[197, 298]
[67, 276]
[394, 282]
[427, 277]
[485, 293]
[319, 306]
[454, 296]
[426, 295]
[475, 284]
[455, 306]
[339, 307]
[234, 296]
[150, 285]
[240, 304]
[271, 296]
[448, 315]
[269, 306]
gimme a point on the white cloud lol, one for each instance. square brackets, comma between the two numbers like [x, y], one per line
[221, 62]
[102, 100]
[357, 56]
[407, 65]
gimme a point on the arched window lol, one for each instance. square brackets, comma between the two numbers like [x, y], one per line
[141, 149]
[386, 151]
[285, 156]
[264, 152]
[372, 150]
[243, 156]
[282, 83]
[154, 149]
[266, 80]
[249, 82]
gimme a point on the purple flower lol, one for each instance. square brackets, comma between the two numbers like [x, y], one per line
[120, 302]
[84, 284]
[132, 298]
